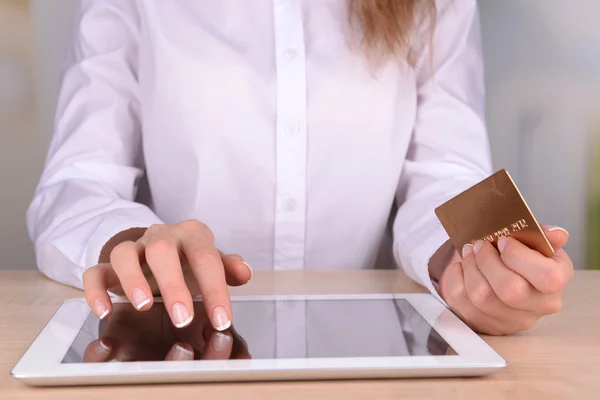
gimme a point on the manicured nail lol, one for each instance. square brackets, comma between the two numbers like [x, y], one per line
[557, 228]
[100, 309]
[467, 250]
[502, 242]
[180, 353]
[220, 318]
[221, 341]
[140, 298]
[478, 245]
[249, 267]
[181, 315]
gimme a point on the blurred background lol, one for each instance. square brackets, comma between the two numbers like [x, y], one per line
[543, 84]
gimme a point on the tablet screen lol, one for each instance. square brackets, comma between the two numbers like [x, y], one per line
[263, 330]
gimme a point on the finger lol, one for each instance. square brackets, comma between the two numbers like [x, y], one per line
[453, 290]
[479, 290]
[96, 281]
[481, 294]
[511, 288]
[180, 352]
[205, 262]
[125, 260]
[98, 351]
[218, 346]
[557, 236]
[237, 271]
[547, 275]
[162, 257]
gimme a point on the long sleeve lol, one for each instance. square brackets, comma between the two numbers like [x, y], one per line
[449, 150]
[87, 190]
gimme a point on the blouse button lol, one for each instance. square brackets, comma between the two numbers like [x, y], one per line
[291, 54]
[290, 205]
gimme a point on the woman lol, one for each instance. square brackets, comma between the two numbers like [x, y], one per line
[296, 133]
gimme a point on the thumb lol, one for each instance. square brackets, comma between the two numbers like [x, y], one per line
[557, 236]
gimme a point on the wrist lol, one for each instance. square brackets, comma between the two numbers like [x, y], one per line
[443, 257]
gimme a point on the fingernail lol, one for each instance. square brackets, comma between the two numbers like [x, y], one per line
[102, 348]
[100, 309]
[180, 353]
[221, 318]
[249, 267]
[140, 299]
[502, 242]
[467, 250]
[181, 315]
[478, 245]
[557, 228]
[221, 341]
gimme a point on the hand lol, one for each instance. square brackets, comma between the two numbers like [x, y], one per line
[159, 261]
[508, 290]
[133, 336]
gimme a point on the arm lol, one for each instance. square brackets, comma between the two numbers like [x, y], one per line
[449, 151]
[86, 193]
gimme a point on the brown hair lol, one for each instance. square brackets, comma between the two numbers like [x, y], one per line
[387, 26]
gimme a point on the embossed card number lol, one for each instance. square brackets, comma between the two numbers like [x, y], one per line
[492, 209]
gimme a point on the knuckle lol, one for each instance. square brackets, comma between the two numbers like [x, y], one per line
[203, 258]
[481, 295]
[514, 293]
[193, 225]
[553, 281]
[159, 246]
[122, 249]
[154, 229]
[458, 293]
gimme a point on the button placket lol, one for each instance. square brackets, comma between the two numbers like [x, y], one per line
[291, 140]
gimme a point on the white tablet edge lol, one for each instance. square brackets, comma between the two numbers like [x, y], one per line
[43, 358]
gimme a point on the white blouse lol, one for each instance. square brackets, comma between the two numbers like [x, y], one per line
[263, 121]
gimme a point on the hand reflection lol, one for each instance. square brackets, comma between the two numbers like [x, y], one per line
[150, 336]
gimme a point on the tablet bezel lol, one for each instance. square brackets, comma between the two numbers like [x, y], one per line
[43, 359]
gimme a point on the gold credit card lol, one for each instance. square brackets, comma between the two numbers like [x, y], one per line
[491, 209]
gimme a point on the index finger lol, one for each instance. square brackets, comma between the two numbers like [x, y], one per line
[207, 267]
[548, 275]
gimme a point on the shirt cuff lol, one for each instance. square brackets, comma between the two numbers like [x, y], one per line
[415, 260]
[113, 225]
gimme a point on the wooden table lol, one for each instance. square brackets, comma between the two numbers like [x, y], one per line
[558, 359]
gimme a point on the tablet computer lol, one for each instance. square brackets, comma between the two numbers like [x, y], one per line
[272, 338]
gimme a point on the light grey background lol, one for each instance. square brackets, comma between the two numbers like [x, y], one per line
[543, 68]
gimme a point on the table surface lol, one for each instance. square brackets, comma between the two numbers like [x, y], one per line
[559, 358]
